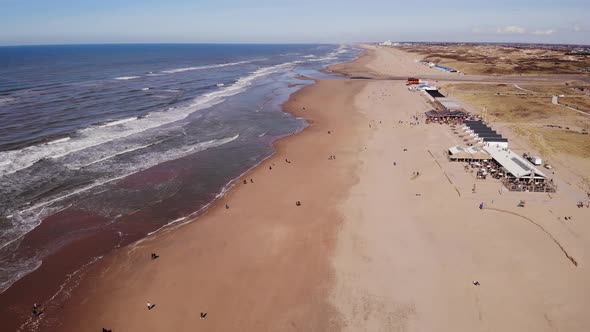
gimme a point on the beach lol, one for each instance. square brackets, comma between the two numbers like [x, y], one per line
[262, 264]
[388, 235]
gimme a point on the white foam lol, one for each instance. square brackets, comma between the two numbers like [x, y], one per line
[221, 65]
[61, 140]
[145, 89]
[332, 55]
[96, 135]
[20, 270]
[169, 155]
[220, 84]
[6, 100]
[126, 78]
[31, 217]
[118, 122]
[112, 156]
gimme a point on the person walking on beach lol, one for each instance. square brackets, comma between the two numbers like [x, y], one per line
[37, 310]
[150, 306]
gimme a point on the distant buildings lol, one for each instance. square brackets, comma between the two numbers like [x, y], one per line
[388, 43]
[434, 65]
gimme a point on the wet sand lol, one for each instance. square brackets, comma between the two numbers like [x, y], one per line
[262, 264]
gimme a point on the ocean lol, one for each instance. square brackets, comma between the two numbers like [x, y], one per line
[109, 143]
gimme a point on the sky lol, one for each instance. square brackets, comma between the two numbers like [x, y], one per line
[25, 22]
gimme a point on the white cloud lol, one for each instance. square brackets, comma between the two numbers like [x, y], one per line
[543, 32]
[511, 29]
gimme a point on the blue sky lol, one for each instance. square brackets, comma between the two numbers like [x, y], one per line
[291, 21]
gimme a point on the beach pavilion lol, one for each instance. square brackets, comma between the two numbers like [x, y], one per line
[515, 168]
[471, 153]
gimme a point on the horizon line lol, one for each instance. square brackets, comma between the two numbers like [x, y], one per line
[298, 43]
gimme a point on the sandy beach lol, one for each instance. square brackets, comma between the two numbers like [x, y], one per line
[262, 264]
[373, 246]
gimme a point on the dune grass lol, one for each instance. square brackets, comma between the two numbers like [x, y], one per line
[502, 59]
[549, 128]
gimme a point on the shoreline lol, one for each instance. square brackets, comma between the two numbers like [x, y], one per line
[16, 305]
[281, 147]
[374, 245]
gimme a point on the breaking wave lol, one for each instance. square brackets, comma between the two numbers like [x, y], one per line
[126, 78]
[96, 135]
[221, 65]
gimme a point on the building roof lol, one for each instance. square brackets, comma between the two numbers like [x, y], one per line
[451, 105]
[512, 162]
[445, 68]
[425, 87]
[475, 127]
[440, 114]
[471, 152]
[483, 129]
[488, 135]
[435, 93]
[475, 124]
[495, 139]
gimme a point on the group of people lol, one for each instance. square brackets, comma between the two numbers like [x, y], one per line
[332, 157]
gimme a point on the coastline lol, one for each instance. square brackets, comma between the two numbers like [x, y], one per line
[304, 103]
[373, 245]
[46, 285]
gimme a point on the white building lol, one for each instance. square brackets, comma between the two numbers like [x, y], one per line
[515, 166]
